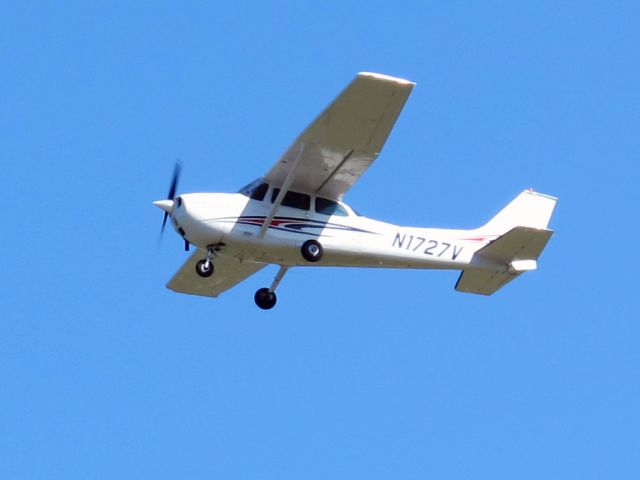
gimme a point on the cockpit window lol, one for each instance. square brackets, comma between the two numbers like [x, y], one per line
[293, 199]
[329, 207]
[256, 190]
[259, 192]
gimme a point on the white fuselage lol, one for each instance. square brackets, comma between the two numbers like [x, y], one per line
[232, 223]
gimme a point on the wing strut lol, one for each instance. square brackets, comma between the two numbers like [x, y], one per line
[283, 191]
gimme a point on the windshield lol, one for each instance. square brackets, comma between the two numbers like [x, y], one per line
[247, 190]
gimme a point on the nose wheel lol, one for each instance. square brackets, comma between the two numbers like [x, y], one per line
[204, 267]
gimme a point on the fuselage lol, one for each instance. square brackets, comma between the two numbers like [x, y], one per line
[232, 223]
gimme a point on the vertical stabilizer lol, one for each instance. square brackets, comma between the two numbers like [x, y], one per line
[529, 209]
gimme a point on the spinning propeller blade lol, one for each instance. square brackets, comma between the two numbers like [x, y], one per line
[172, 191]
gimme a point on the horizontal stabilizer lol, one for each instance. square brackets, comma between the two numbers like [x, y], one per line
[519, 243]
[483, 282]
[503, 260]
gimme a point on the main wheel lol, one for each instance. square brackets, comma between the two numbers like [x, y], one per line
[265, 299]
[204, 268]
[311, 250]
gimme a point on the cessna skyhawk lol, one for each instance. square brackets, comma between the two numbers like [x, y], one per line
[294, 215]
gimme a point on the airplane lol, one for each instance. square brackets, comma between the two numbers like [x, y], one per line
[294, 215]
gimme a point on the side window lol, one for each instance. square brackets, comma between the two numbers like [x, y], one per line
[259, 192]
[329, 207]
[293, 199]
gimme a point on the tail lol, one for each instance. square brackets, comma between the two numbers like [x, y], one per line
[523, 234]
[529, 209]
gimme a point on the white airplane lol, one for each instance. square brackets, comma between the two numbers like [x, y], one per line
[294, 215]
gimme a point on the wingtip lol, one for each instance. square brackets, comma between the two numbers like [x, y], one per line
[388, 78]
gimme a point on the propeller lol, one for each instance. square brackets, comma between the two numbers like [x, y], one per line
[172, 191]
[167, 205]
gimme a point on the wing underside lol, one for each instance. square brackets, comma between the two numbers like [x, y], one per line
[229, 271]
[345, 139]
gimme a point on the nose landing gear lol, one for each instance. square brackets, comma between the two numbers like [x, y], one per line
[204, 267]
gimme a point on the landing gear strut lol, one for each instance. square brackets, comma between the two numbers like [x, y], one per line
[266, 298]
[204, 267]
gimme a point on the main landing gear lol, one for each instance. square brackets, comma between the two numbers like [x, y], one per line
[311, 251]
[265, 298]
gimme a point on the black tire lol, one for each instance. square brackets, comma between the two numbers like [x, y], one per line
[311, 251]
[265, 299]
[204, 268]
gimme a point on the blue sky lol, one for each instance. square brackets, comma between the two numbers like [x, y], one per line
[104, 373]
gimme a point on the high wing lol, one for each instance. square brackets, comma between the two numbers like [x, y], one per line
[229, 271]
[337, 148]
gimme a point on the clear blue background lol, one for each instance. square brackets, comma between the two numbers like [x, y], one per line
[104, 373]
